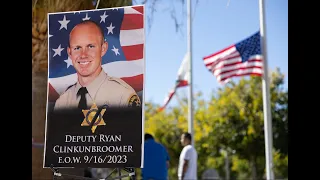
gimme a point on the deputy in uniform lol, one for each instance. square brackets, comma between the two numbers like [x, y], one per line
[86, 49]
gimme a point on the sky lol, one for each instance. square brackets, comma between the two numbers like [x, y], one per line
[216, 24]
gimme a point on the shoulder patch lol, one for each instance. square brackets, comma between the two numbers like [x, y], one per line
[134, 101]
[120, 81]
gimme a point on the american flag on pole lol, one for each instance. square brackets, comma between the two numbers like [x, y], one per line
[123, 30]
[241, 59]
[182, 80]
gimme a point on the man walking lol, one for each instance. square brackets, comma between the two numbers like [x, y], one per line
[187, 169]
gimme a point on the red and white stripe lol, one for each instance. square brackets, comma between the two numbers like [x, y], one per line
[227, 63]
[183, 79]
[132, 42]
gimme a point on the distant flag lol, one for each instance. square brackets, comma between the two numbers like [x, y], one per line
[241, 59]
[183, 79]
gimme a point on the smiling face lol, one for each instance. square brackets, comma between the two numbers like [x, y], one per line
[86, 49]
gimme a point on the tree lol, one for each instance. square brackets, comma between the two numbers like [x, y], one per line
[178, 19]
[231, 121]
[237, 111]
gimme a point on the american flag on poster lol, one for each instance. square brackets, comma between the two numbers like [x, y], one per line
[124, 31]
[182, 80]
[241, 59]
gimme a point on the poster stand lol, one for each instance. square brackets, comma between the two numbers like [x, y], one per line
[130, 173]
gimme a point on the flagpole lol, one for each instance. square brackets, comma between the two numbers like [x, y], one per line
[190, 104]
[266, 96]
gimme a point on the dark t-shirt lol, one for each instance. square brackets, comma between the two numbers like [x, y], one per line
[155, 158]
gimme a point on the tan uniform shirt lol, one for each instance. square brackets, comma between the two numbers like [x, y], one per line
[111, 91]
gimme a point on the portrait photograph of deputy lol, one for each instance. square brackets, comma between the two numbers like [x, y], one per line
[87, 46]
[95, 88]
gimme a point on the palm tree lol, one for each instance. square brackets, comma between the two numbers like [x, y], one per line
[40, 8]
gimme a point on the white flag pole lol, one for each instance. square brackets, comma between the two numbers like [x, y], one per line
[266, 96]
[190, 102]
